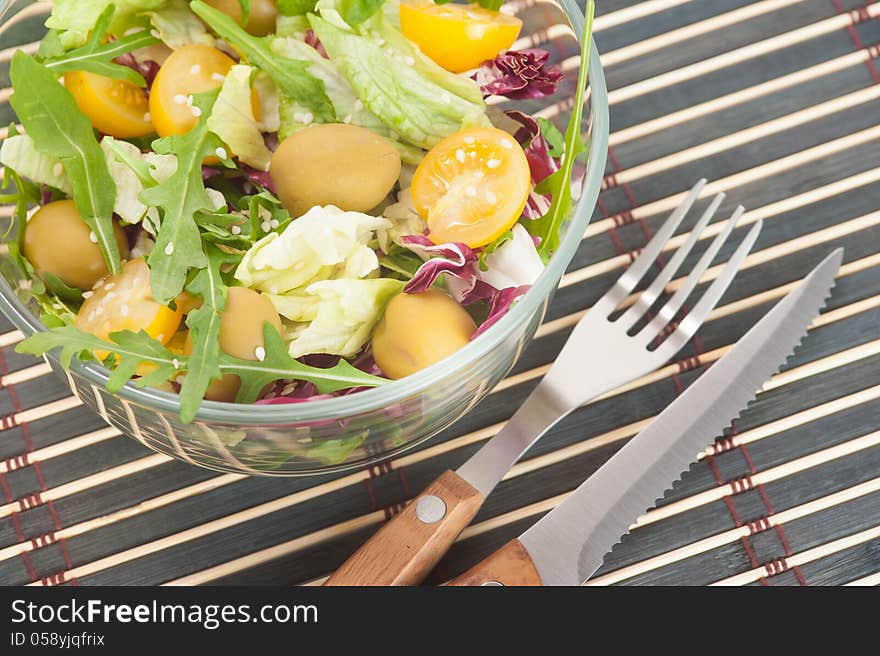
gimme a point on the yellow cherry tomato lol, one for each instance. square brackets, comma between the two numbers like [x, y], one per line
[188, 70]
[418, 330]
[457, 37]
[472, 187]
[124, 302]
[115, 107]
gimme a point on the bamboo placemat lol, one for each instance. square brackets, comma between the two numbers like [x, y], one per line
[778, 103]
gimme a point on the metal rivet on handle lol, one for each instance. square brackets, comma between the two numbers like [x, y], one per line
[491, 584]
[430, 509]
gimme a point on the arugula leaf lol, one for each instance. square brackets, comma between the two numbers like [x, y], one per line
[355, 12]
[131, 350]
[178, 242]
[279, 365]
[552, 136]
[51, 118]
[296, 7]
[204, 330]
[291, 75]
[245, 10]
[97, 57]
[493, 5]
[558, 185]
[63, 291]
[335, 452]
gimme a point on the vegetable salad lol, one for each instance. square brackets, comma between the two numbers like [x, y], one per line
[271, 202]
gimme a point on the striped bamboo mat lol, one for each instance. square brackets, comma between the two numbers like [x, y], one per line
[778, 103]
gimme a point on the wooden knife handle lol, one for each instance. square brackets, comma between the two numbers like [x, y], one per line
[408, 547]
[510, 565]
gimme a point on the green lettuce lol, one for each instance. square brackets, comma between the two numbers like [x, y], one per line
[344, 315]
[232, 119]
[323, 243]
[390, 85]
[177, 26]
[19, 153]
[74, 19]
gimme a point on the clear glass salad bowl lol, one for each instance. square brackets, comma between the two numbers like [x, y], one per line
[353, 430]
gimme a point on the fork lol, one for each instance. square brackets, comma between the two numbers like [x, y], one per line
[406, 549]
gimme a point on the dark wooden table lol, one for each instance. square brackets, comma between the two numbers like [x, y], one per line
[777, 102]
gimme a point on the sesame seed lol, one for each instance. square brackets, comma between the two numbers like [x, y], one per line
[236, 230]
[179, 99]
[491, 197]
[123, 310]
[358, 105]
[155, 34]
[109, 286]
[218, 77]
[479, 175]
[111, 295]
[221, 152]
[409, 61]
[469, 140]
[274, 223]
[195, 69]
[459, 155]
[98, 311]
[189, 100]
[58, 169]
[148, 117]
[493, 163]
[266, 226]
[176, 363]
[169, 248]
[264, 213]
[161, 337]
[346, 119]
[98, 284]
[507, 143]
[88, 294]
[307, 117]
[195, 111]
[445, 97]
[260, 353]
[93, 237]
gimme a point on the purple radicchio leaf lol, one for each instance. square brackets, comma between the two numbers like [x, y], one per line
[519, 75]
[259, 178]
[313, 40]
[499, 301]
[147, 68]
[541, 163]
[456, 260]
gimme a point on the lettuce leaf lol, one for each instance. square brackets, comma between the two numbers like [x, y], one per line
[323, 243]
[232, 119]
[177, 26]
[75, 19]
[416, 108]
[346, 312]
[20, 154]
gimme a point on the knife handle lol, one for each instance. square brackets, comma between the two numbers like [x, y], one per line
[510, 565]
[408, 547]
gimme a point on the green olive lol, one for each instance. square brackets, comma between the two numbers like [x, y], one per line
[419, 330]
[241, 335]
[262, 17]
[58, 241]
[335, 164]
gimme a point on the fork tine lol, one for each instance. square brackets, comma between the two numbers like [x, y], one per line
[673, 305]
[707, 303]
[643, 262]
[646, 298]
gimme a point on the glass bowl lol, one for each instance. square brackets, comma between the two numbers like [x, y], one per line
[355, 430]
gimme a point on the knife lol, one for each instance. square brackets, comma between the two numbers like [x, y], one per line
[568, 545]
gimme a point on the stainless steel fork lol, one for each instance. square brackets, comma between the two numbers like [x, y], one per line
[599, 356]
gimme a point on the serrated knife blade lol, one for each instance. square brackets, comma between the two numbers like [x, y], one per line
[569, 544]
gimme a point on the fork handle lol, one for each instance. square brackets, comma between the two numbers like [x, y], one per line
[408, 547]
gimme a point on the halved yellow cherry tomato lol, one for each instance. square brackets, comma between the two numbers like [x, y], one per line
[115, 107]
[472, 187]
[261, 19]
[189, 70]
[458, 37]
[124, 302]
